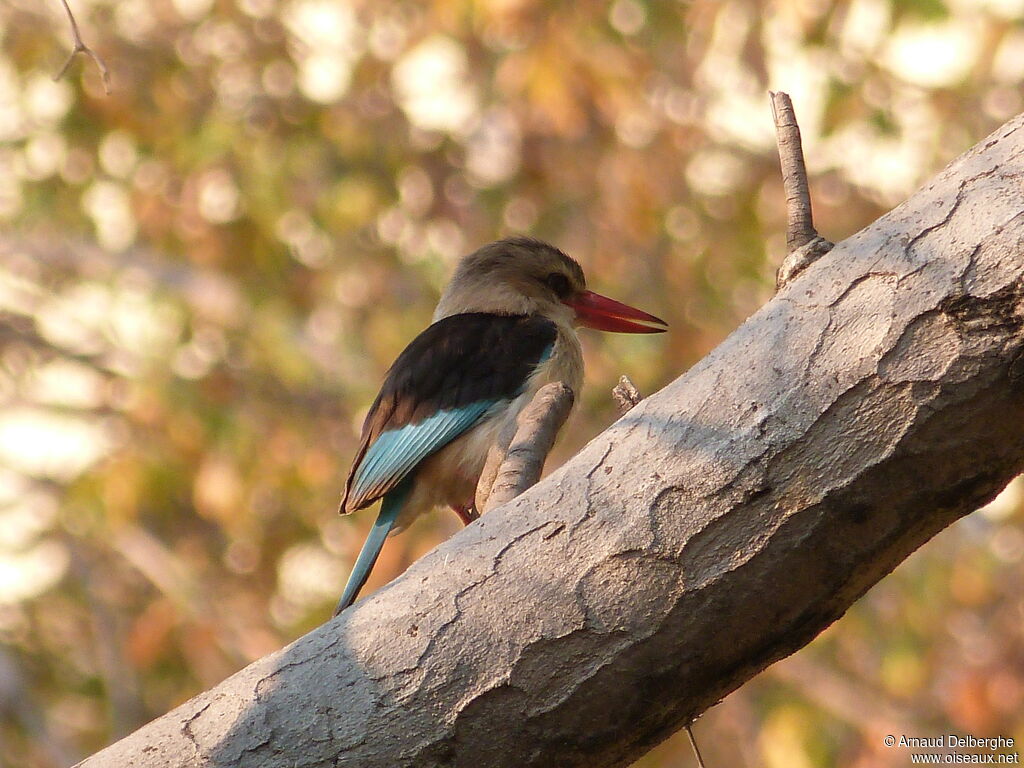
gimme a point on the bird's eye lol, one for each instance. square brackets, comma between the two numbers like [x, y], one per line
[558, 283]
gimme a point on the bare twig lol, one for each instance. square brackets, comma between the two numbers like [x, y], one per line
[799, 221]
[81, 47]
[693, 743]
[803, 242]
[538, 426]
[626, 395]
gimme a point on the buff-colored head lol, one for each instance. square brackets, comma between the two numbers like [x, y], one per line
[518, 275]
[524, 276]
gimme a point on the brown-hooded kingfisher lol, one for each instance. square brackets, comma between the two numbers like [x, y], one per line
[504, 327]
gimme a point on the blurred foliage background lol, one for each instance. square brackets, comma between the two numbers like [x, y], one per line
[204, 275]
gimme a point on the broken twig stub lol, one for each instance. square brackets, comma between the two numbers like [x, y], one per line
[803, 243]
[626, 395]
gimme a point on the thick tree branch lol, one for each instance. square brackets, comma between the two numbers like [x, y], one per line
[804, 244]
[717, 527]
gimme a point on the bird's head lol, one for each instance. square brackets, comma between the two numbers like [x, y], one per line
[521, 275]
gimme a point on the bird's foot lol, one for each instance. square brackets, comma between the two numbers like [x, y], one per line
[467, 512]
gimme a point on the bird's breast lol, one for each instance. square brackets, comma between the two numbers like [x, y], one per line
[565, 363]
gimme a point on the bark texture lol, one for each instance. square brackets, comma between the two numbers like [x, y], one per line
[539, 424]
[718, 526]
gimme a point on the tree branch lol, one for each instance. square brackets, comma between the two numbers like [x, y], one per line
[717, 527]
[492, 464]
[81, 47]
[804, 244]
[556, 407]
[524, 460]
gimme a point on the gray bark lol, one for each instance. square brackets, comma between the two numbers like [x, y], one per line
[800, 229]
[539, 424]
[803, 242]
[717, 527]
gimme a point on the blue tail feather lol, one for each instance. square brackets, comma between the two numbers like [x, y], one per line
[392, 504]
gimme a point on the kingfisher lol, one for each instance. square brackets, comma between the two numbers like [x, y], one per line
[504, 327]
